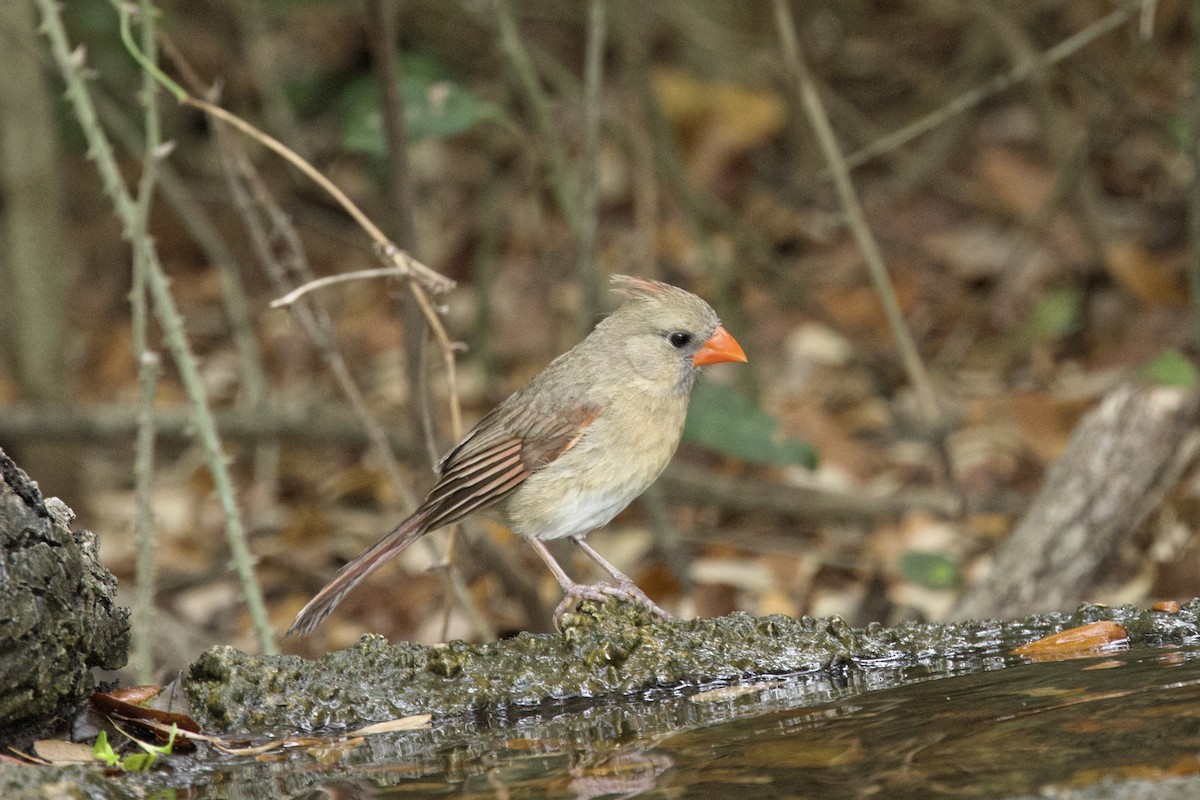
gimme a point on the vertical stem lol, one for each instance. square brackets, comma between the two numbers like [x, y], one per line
[381, 36]
[101, 152]
[819, 119]
[148, 363]
[1193, 146]
[514, 49]
[589, 276]
[142, 656]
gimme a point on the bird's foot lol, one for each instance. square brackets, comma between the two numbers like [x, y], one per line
[599, 592]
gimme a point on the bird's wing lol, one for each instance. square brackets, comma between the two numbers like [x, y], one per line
[505, 448]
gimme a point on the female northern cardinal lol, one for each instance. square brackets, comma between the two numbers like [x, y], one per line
[574, 446]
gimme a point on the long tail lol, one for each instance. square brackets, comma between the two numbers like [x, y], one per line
[356, 571]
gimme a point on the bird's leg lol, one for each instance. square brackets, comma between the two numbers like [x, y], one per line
[625, 585]
[574, 592]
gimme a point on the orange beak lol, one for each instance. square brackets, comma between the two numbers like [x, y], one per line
[719, 347]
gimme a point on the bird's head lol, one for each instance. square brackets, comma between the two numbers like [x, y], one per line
[668, 333]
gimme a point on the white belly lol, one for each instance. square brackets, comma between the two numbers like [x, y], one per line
[584, 488]
[580, 512]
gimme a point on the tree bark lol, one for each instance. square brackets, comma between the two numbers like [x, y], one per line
[1118, 463]
[58, 612]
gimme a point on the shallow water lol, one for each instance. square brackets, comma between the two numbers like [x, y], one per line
[917, 732]
[982, 726]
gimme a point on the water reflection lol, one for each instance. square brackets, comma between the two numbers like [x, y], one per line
[935, 730]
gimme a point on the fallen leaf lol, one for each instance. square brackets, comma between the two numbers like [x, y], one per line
[1148, 277]
[1018, 184]
[134, 694]
[1077, 642]
[110, 704]
[400, 724]
[272, 746]
[57, 751]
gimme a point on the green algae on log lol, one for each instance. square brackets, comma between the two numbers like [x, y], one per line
[605, 649]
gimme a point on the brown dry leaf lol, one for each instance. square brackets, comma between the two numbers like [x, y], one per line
[271, 746]
[110, 368]
[718, 121]
[1077, 642]
[400, 724]
[738, 117]
[1046, 421]
[1166, 606]
[111, 704]
[1018, 184]
[134, 694]
[1148, 277]
[856, 312]
[57, 751]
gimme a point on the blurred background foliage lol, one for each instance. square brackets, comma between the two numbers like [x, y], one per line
[1037, 242]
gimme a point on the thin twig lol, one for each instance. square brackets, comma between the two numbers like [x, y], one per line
[974, 97]
[435, 281]
[380, 30]
[148, 366]
[381, 36]
[518, 56]
[281, 255]
[1193, 147]
[142, 650]
[268, 71]
[70, 65]
[385, 247]
[194, 216]
[387, 251]
[589, 275]
[328, 280]
[855, 218]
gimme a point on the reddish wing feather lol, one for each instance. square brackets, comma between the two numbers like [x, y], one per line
[491, 461]
[497, 456]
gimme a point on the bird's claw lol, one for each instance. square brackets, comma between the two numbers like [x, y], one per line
[599, 592]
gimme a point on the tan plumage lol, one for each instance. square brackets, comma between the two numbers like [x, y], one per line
[573, 447]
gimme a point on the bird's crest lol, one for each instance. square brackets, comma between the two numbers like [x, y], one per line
[631, 286]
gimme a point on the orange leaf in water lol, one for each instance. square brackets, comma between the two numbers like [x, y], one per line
[1075, 642]
[1167, 606]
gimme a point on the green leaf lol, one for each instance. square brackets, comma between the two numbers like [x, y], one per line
[435, 106]
[138, 762]
[102, 751]
[1170, 368]
[727, 422]
[1056, 314]
[931, 570]
[1180, 130]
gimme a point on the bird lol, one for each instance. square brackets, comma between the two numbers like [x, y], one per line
[574, 446]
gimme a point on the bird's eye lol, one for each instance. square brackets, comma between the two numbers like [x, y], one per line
[679, 339]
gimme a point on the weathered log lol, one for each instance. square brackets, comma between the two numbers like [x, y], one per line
[58, 612]
[1120, 460]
